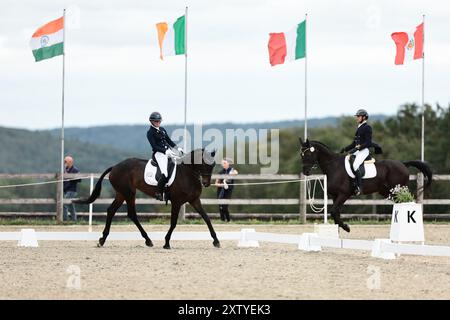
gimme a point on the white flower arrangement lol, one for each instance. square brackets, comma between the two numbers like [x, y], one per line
[400, 194]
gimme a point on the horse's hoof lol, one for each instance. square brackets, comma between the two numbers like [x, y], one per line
[216, 244]
[101, 242]
[346, 227]
[149, 243]
[166, 246]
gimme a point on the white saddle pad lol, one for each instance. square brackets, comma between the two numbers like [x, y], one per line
[371, 170]
[150, 173]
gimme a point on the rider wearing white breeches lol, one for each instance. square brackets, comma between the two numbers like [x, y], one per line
[360, 145]
[161, 145]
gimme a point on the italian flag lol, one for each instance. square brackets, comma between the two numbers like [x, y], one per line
[289, 45]
[409, 45]
[48, 40]
[171, 37]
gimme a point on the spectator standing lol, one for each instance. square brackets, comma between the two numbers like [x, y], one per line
[225, 188]
[70, 189]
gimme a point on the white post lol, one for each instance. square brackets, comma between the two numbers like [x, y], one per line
[92, 204]
[325, 199]
[62, 114]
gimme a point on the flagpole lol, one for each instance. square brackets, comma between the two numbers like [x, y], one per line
[422, 157]
[185, 76]
[303, 184]
[306, 82]
[61, 208]
[182, 212]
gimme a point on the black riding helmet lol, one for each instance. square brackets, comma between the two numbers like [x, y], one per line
[155, 116]
[362, 112]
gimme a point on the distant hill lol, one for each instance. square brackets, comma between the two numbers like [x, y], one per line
[24, 151]
[134, 137]
[96, 148]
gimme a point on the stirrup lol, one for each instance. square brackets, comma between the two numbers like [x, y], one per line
[159, 196]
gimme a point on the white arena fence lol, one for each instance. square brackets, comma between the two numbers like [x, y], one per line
[306, 198]
[378, 248]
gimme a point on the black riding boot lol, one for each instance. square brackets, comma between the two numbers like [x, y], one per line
[358, 182]
[159, 195]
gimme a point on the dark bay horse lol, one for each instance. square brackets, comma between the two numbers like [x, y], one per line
[340, 186]
[128, 176]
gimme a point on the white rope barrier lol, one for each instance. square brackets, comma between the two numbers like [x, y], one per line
[267, 182]
[39, 183]
[88, 177]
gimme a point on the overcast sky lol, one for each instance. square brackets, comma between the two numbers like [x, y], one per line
[114, 74]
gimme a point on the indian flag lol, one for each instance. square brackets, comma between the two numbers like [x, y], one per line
[48, 40]
[409, 45]
[289, 45]
[171, 37]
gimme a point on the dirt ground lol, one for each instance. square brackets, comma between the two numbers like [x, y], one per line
[197, 270]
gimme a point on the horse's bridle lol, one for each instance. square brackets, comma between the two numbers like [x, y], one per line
[311, 149]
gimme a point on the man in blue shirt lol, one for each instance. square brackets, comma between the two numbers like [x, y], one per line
[70, 188]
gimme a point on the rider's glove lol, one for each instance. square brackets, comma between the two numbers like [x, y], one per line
[180, 150]
[169, 153]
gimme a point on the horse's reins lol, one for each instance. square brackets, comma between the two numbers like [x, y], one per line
[196, 172]
[312, 149]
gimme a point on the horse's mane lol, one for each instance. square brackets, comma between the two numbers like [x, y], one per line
[188, 155]
[320, 143]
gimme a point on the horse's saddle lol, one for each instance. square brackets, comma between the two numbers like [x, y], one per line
[152, 172]
[367, 168]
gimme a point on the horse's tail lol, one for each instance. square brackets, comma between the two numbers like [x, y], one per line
[423, 167]
[96, 192]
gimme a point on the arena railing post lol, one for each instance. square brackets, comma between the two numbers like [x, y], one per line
[420, 190]
[59, 205]
[302, 199]
[182, 214]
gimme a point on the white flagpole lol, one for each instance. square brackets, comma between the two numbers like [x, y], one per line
[62, 115]
[185, 77]
[182, 212]
[306, 82]
[304, 185]
[423, 92]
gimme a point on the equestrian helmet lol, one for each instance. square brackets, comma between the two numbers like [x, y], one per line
[362, 112]
[155, 116]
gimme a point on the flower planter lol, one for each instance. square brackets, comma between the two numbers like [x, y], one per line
[407, 222]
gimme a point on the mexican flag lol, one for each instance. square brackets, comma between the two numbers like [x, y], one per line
[409, 45]
[171, 37]
[48, 40]
[289, 45]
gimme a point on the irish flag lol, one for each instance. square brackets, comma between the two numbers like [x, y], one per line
[409, 45]
[48, 40]
[289, 45]
[171, 37]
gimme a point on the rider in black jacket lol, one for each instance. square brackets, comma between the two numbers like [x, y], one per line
[360, 145]
[161, 145]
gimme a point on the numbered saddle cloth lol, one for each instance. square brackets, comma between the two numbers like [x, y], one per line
[369, 168]
[152, 173]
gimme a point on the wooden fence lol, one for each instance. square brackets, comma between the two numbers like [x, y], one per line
[302, 201]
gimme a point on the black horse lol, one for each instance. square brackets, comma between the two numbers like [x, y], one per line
[340, 186]
[128, 176]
